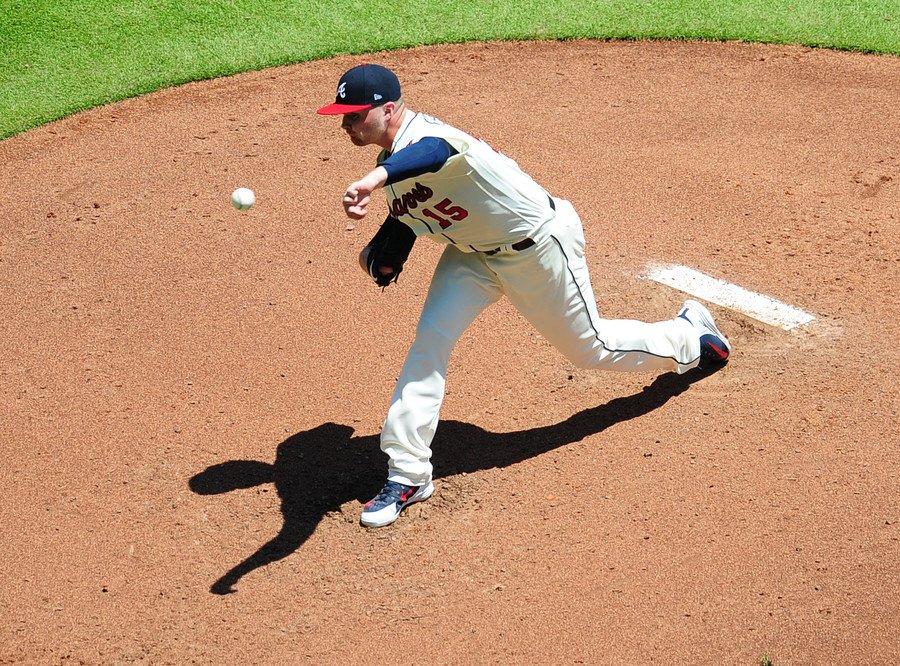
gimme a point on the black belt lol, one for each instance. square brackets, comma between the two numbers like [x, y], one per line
[522, 244]
[518, 247]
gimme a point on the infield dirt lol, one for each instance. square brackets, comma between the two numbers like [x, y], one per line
[192, 396]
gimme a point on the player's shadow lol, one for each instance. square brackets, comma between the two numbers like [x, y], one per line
[318, 470]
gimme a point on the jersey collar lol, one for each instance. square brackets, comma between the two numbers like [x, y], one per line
[398, 143]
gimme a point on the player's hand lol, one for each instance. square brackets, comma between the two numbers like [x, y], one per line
[357, 196]
[356, 202]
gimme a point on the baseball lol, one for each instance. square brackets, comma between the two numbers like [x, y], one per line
[242, 198]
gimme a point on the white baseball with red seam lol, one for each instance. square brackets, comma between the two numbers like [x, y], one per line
[242, 198]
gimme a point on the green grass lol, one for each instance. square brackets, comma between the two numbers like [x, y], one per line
[61, 56]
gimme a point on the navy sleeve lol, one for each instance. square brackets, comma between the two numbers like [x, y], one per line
[424, 156]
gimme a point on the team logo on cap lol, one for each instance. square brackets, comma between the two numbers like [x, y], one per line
[342, 90]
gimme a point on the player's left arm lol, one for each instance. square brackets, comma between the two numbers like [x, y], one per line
[427, 155]
[385, 255]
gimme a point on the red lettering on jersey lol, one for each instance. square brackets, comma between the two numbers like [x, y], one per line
[420, 194]
[410, 200]
[455, 213]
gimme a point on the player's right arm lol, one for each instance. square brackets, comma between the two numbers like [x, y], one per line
[358, 194]
[425, 156]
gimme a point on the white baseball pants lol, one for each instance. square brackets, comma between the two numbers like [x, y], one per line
[550, 285]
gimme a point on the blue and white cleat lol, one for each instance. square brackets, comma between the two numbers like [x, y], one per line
[385, 507]
[714, 347]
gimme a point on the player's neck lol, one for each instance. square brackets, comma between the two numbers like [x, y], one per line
[394, 125]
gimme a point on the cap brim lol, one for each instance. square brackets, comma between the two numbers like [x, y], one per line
[340, 109]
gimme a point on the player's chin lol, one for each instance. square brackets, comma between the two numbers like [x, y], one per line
[357, 141]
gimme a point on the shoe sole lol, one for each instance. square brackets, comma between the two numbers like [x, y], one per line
[420, 496]
[707, 320]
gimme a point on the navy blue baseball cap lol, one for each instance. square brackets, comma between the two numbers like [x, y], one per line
[363, 87]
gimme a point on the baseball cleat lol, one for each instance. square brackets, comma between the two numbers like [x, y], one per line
[714, 347]
[385, 507]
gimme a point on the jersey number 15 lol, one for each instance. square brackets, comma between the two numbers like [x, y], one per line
[448, 210]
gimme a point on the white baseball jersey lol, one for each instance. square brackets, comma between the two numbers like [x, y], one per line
[479, 200]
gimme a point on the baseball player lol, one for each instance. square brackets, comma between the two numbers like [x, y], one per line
[505, 235]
